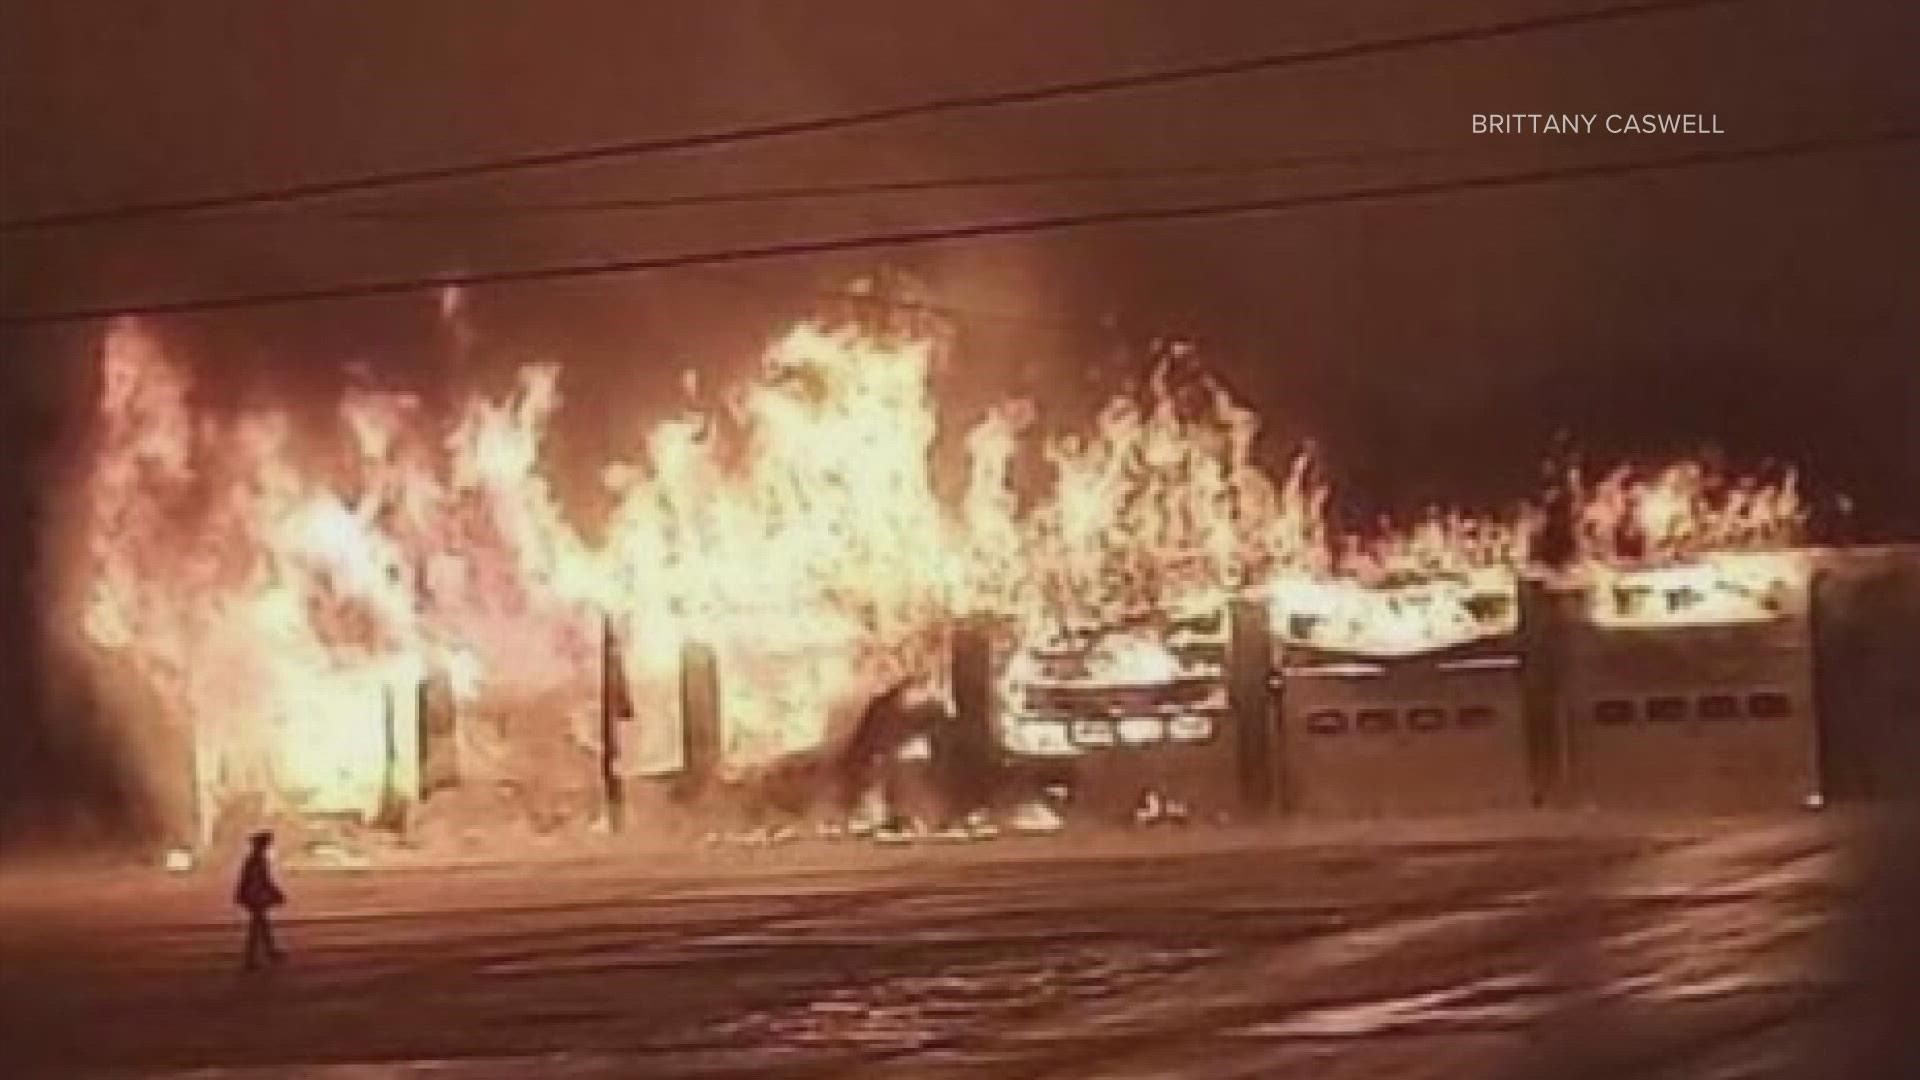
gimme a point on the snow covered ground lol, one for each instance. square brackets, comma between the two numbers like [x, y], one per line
[1457, 954]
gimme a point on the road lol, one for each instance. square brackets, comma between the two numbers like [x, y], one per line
[1627, 952]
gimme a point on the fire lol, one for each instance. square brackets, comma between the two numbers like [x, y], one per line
[262, 612]
[1342, 613]
[1448, 580]
[1682, 510]
[1688, 545]
[279, 602]
[803, 540]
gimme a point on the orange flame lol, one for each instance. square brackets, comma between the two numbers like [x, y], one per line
[283, 611]
[1687, 545]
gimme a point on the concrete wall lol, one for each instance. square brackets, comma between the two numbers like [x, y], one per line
[1866, 632]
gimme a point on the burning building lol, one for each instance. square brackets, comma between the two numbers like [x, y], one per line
[1133, 720]
[1138, 614]
[1404, 699]
[1678, 648]
[1688, 687]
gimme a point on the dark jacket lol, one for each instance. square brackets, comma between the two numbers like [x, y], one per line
[256, 890]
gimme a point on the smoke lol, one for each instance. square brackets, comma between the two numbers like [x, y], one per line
[66, 778]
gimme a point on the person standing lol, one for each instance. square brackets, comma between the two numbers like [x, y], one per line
[258, 894]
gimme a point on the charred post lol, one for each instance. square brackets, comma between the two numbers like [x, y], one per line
[612, 706]
[700, 731]
[391, 814]
[963, 747]
[439, 747]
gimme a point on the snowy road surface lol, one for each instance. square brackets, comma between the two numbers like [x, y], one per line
[1701, 957]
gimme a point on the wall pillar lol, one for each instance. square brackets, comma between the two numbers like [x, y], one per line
[1549, 742]
[1250, 704]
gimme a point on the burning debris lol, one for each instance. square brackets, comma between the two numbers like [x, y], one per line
[277, 608]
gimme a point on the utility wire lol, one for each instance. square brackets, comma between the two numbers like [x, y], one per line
[975, 231]
[805, 192]
[900, 305]
[1061, 91]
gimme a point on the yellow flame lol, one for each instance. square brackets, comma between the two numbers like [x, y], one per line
[282, 605]
[1688, 545]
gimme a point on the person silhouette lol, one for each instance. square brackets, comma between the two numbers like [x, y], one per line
[258, 894]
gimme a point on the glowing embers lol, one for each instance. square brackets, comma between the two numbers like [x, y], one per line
[1400, 618]
[1723, 588]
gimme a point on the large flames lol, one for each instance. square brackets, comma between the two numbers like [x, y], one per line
[281, 596]
[1687, 544]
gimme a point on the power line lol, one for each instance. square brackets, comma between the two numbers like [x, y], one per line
[903, 306]
[974, 231]
[849, 189]
[865, 118]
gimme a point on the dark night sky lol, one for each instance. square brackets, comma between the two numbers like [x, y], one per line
[1432, 344]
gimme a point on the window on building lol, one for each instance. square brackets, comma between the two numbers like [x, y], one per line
[1092, 732]
[1769, 705]
[1427, 719]
[1327, 722]
[1720, 707]
[1375, 721]
[1613, 711]
[1475, 716]
[1667, 708]
[1189, 728]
